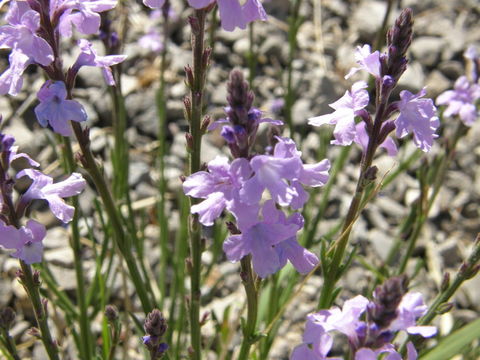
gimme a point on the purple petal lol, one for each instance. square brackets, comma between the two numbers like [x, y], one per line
[154, 4]
[199, 4]
[209, 209]
[231, 15]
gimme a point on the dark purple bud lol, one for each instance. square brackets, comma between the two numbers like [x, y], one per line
[232, 228]
[367, 118]
[7, 317]
[205, 123]
[386, 299]
[386, 129]
[36, 278]
[473, 272]
[34, 332]
[189, 75]
[155, 324]
[445, 282]
[195, 25]
[111, 313]
[204, 318]
[187, 102]
[371, 174]
[444, 308]
[190, 142]
[228, 134]
[206, 57]
[399, 38]
[388, 83]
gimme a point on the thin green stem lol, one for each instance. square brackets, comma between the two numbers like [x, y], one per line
[32, 288]
[252, 59]
[86, 350]
[249, 282]
[120, 238]
[162, 183]
[200, 61]
[9, 344]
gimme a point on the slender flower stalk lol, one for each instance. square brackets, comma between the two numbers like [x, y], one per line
[194, 104]
[87, 347]
[162, 137]
[387, 70]
[250, 284]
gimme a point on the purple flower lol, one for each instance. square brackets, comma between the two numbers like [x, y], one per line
[362, 138]
[43, 187]
[411, 308]
[83, 14]
[154, 4]
[272, 173]
[343, 117]
[27, 240]
[417, 115]
[20, 35]
[232, 14]
[56, 110]
[151, 41]
[260, 240]
[367, 61]
[11, 80]
[219, 187]
[89, 57]
[461, 100]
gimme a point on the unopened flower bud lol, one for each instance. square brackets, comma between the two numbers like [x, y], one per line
[204, 318]
[194, 24]
[155, 324]
[444, 308]
[34, 332]
[206, 57]
[111, 313]
[189, 139]
[445, 282]
[7, 317]
[189, 75]
[205, 123]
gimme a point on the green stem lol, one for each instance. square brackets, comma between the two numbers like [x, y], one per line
[196, 96]
[121, 240]
[466, 272]
[9, 344]
[248, 279]
[31, 287]
[86, 350]
[162, 183]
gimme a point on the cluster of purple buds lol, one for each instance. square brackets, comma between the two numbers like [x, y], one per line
[462, 100]
[417, 114]
[392, 310]
[262, 229]
[27, 240]
[155, 327]
[33, 32]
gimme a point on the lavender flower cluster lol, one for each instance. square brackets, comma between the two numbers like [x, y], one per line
[33, 32]
[26, 239]
[392, 310]
[262, 229]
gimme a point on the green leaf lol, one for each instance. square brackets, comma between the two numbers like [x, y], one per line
[454, 343]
